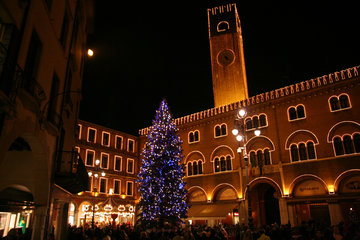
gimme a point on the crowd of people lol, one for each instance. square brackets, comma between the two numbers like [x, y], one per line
[306, 231]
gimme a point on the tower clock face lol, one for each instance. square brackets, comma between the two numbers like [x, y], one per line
[226, 57]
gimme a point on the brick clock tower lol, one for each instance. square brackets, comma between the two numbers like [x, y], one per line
[227, 55]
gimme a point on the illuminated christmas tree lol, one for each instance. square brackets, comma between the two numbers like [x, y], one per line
[161, 185]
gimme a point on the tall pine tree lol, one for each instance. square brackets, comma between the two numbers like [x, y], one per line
[161, 185]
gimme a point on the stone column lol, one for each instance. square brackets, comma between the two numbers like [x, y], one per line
[283, 208]
[61, 221]
[39, 222]
[335, 213]
[291, 214]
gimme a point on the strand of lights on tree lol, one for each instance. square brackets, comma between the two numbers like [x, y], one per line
[163, 193]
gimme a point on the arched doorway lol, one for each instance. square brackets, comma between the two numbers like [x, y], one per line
[265, 204]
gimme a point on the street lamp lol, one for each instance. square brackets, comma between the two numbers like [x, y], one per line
[241, 136]
[96, 175]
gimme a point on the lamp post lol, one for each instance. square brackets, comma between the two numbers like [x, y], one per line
[241, 136]
[96, 175]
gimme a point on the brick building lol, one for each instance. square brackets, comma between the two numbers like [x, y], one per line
[115, 192]
[304, 165]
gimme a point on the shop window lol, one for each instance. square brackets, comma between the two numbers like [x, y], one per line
[340, 102]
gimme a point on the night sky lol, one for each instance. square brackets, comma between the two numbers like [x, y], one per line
[147, 51]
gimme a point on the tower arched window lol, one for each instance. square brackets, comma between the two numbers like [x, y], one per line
[189, 167]
[348, 145]
[191, 137]
[196, 136]
[294, 153]
[338, 145]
